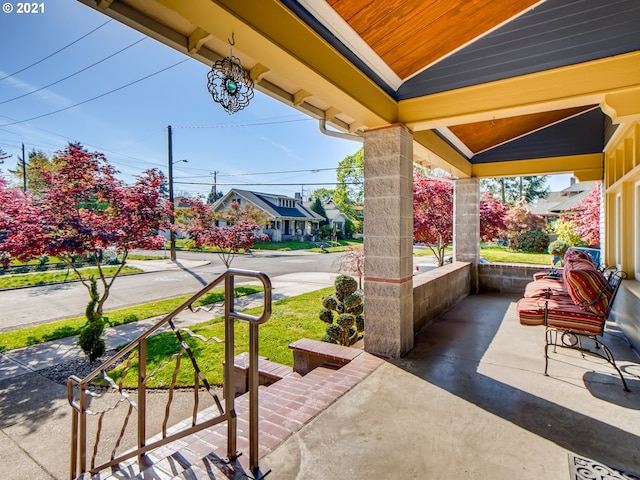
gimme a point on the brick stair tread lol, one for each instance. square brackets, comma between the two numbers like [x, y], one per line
[285, 407]
[324, 349]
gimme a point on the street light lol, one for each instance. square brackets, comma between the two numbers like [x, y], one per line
[172, 219]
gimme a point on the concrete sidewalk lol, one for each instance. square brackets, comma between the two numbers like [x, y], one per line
[37, 357]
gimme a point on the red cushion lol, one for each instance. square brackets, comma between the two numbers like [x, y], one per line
[540, 288]
[561, 314]
[572, 255]
[531, 310]
[547, 274]
[588, 288]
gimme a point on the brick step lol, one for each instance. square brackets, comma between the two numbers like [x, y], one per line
[285, 406]
[268, 372]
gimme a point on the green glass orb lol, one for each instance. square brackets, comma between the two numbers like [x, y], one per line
[231, 85]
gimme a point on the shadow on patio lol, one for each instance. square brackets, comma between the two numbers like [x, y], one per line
[471, 401]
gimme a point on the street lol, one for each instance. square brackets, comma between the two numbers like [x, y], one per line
[36, 305]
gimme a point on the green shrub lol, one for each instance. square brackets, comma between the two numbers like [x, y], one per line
[558, 248]
[566, 231]
[534, 241]
[347, 303]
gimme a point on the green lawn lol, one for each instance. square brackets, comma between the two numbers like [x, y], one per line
[501, 254]
[59, 276]
[71, 326]
[292, 318]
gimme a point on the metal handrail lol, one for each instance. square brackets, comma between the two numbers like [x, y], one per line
[80, 409]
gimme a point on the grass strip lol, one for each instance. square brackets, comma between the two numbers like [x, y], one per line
[72, 326]
[500, 254]
[291, 319]
[45, 278]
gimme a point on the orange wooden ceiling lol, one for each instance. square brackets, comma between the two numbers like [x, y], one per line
[410, 35]
[480, 136]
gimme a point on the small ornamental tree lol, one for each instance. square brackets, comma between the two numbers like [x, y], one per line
[347, 304]
[238, 234]
[433, 214]
[352, 263]
[587, 221]
[565, 229]
[83, 209]
[492, 216]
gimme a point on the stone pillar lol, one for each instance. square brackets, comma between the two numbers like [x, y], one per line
[388, 241]
[466, 225]
[466, 220]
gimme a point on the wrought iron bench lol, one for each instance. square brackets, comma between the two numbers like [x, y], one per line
[573, 309]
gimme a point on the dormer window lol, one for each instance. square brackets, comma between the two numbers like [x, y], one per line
[286, 203]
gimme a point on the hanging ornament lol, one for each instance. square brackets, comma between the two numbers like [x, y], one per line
[230, 85]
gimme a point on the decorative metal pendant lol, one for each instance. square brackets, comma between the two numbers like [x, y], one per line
[230, 85]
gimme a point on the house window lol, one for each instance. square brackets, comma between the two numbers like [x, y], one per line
[636, 216]
[618, 229]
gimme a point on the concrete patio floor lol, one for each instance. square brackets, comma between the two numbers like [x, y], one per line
[471, 401]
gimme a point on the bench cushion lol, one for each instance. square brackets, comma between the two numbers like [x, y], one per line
[587, 287]
[555, 274]
[573, 255]
[562, 313]
[539, 288]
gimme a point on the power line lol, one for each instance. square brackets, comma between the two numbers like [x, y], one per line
[74, 74]
[96, 97]
[312, 170]
[56, 52]
[270, 184]
[246, 124]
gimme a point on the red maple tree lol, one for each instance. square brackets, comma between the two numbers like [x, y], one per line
[492, 217]
[433, 214]
[238, 233]
[84, 210]
[587, 220]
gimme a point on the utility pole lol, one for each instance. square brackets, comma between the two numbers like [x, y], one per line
[24, 171]
[172, 218]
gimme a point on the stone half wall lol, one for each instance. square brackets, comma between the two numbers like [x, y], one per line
[437, 291]
[506, 277]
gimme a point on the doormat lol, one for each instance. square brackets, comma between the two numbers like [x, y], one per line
[582, 468]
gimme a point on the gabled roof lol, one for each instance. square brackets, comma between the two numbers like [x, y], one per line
[264, 201]
[563, 201]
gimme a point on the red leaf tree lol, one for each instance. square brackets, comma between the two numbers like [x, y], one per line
[587, 219]
[492, 217]
[238, 233]
[433, 214]
[83, 209]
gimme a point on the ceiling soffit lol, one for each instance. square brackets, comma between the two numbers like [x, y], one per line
[410, 35]
[481, 136]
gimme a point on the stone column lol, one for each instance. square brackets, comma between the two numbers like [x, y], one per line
[388, 240]
[466, 220]
[466, 225]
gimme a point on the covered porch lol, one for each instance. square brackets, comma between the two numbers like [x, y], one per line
[469, 401]
[479, 89]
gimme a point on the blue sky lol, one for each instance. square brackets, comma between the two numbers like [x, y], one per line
[130, 125]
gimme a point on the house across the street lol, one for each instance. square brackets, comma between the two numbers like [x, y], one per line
[289, 219]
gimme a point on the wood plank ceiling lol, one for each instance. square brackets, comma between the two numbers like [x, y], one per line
[433, 28]
[412, 35]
